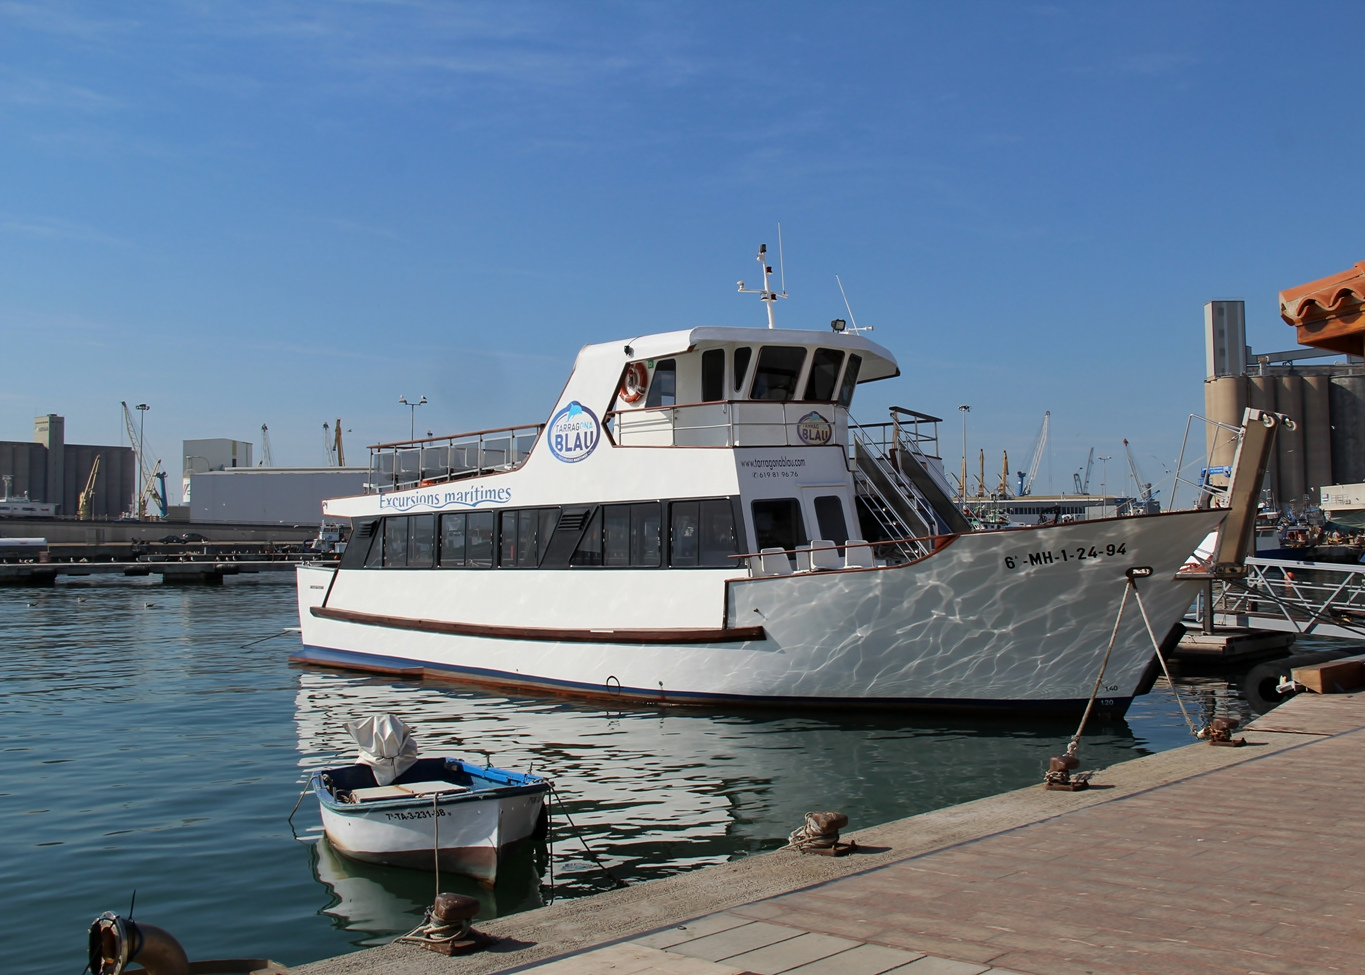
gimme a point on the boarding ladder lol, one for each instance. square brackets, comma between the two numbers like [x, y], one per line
[898, 485]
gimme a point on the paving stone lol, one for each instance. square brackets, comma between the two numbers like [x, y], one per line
[931, 965]
[691, 930]
[793, 953]
[632, 959]
[862, 960]
[736, 941]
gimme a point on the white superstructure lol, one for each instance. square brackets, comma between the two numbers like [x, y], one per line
[701, 521]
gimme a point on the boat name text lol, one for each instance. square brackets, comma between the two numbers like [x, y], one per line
[1078, 554]
[413, 814]
[468, 498]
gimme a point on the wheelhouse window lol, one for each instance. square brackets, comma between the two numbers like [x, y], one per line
[663, 388]
[702, 533]
[712, 375]
[850, 381]
[824, 373]
[741, 365]
[779, 368]
[778, 524]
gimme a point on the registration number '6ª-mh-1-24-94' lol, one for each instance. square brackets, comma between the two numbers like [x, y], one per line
[1078, 554]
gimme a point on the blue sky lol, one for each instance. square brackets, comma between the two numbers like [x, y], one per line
[282, 213]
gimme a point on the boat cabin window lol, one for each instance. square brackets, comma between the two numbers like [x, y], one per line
[631, 535]
[712, 375]
[525, 536]
[741, 367]
[702, 533]
[395, 543]
[829, 514]
[363, 549]
[421, 541]
[779, 367]
[777, 523]
[663, 388]
[824, 372]
[850, 381]
[467, 539]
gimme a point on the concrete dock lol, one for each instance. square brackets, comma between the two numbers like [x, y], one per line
[1202, 859]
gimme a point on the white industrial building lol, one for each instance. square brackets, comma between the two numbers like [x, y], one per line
[270, 495]
[218, 454]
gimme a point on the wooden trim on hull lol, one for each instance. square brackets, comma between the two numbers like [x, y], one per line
[644, 696]
[733, 634]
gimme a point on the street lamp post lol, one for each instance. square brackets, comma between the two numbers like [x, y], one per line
[412, 415]
[142, 409]
[1104, 474]
[962, 486]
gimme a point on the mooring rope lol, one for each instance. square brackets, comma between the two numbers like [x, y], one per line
[1165, 669]
[591, 855]
[1099, 678]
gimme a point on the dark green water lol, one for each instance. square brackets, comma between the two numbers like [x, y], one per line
[142, 746]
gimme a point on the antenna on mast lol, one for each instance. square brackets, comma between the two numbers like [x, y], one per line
[766, 293]
[847, 307]
[781, 264]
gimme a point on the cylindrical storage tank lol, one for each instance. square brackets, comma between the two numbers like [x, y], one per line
[1225, 398]
[1316, 431]
[1289, 443]
[1347, 401]
[1263, 398]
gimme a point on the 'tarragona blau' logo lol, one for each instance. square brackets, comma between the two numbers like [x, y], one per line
[814, 429]
[573, 433]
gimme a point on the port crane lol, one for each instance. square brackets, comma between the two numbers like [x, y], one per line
[331, 442]
[1144, 488]
[266, 459]
[1083, 487]
[88, 495]
[147, 474]
[1026, 479]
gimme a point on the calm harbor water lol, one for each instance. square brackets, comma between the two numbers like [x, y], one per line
[147, 744]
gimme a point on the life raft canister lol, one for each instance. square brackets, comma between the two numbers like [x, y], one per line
[633, 383]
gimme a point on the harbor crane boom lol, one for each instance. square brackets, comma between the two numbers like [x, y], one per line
[1144, 488]
[341, 452]
[88, 495]
[266, 459]
[327, 444]
[1026, 479]
[1083, 487]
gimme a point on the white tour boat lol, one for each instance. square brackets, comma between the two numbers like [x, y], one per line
[700, 521]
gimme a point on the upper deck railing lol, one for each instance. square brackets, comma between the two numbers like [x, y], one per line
[734, 423]
[432, 460]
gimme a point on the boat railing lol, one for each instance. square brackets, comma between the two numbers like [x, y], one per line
[435, 460]
[907, 429]
[822, 555]
[733, 423]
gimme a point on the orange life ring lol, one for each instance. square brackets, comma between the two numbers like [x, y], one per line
[633, 383]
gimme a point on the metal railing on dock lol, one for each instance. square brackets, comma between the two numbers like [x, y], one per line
[1312, 598]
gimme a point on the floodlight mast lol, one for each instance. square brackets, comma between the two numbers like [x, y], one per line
[767, 294]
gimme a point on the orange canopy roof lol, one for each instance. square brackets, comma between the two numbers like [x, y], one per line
[1329, 313]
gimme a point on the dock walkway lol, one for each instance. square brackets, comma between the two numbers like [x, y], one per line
[1197, 860]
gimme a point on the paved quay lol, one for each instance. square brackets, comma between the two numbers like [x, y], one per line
[1197, 860]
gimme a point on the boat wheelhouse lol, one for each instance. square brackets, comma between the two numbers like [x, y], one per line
[702, 521]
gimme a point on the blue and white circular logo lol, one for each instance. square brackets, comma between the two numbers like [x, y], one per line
[573, 433]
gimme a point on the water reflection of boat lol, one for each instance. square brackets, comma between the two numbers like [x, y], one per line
[377, 901]
[658, 791]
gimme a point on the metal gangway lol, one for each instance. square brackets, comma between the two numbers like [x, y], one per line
[1321, 599]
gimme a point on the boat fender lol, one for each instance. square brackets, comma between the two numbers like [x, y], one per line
[634, 382]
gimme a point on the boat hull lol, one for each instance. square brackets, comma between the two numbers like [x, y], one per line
[1015, 619]
[474, 831]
